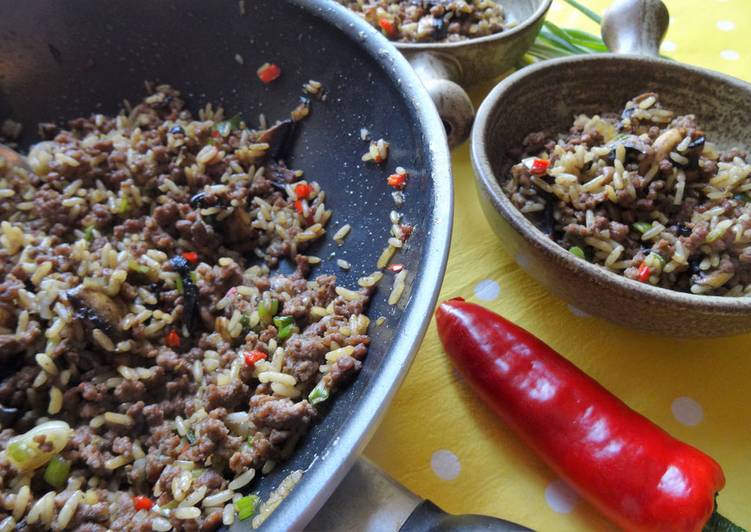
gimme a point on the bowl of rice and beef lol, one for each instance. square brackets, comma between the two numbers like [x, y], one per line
[456, 43]
[211, 283]
[626, 192]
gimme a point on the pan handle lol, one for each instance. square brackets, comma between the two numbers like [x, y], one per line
[439, 73]
[635, 26]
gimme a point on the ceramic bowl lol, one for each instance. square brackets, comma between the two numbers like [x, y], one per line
[545, 97]
[445, 68]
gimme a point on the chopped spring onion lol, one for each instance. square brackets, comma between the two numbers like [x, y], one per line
[285, 326]
[319, 394]
[642, 227]
[138, 268]
[579, 252]
[123, 207]
[179, 284]
[742, 197]
[88, 233]
[191, 437]
[267, 310]
[56, 474]
[194, 277]
[250, 440]
[245, 506]
[225, 127]
[245, 322]
[658, 257]
[38, 446]
[19, 451]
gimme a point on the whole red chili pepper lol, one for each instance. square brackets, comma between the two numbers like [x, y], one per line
[635, 473]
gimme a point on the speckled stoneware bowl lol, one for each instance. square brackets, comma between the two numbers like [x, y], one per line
[545, 97]
[445, 68]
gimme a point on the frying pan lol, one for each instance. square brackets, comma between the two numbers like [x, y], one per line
[60, 60]
[545, 97]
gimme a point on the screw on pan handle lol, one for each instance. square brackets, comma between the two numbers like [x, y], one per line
[438, 72]
[635, 26]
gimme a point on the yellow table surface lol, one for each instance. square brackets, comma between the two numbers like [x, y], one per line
[440, 441]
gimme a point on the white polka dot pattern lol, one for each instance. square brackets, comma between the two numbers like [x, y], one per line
[725, 25]
[445, 464]
[687, 411]
[561, 497]
[730, 55]
[487, 290]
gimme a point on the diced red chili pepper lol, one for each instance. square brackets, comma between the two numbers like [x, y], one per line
[191, 256]
[397, 181]
[142, 503]
[396, 268]
[216, 134]
[172, 339]
[302, 191]
[387, 26]
[298, 206]
[269, 72]
[254, 356]
[539, 166]
[644, 272]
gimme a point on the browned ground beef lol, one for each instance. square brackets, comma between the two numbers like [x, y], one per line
[643, 193]
[181, 359]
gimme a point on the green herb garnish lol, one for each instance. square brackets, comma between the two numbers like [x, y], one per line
[56, 474]
[88, 233]
[246, 506]
[579, 252]
[642, 227]
[319, 394]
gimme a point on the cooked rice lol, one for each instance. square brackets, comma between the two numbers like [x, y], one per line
[410, 21]
[138, 274]
[643, 194]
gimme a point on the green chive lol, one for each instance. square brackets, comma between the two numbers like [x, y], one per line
[179, 284]
[20, 451]
[245, 321]
[579, 252]
[267, 310]
[88, 233]
[225, 127]
[642, 227]
[285, 326]
[246, 506]
[659, 257]
[194, 277]
[138, 268]
[56, 474]
[123, 206]
[191, 437]
[584, 9]
[318, 395]
[250, 440]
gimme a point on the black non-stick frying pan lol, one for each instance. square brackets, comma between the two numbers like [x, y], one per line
[60, 60]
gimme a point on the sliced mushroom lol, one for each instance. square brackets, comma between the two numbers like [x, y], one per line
[100, 310]
[279, 138]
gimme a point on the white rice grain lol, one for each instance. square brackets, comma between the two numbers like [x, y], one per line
[217, 499]
[398, 289]
[242, 479]
[68, 510]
